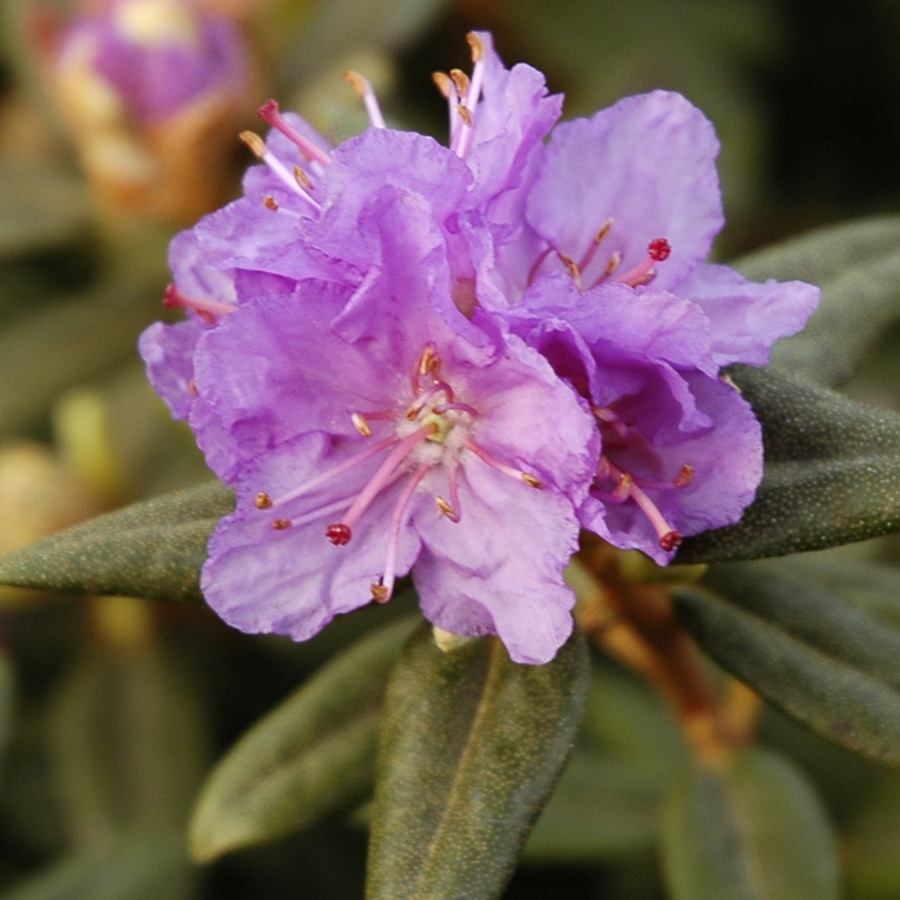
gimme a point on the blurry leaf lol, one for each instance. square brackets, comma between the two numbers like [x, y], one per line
[872, 864]
[607, 801]
[471, 746]
[857, 265]
[748, 828]
[602, 808]
[310, 757]
[333, 28]
[832, 473]
[839, 701]
[140, 866]
[151, 549]
[813, 614]
[7, 701]
[39, 206]
[129, 743]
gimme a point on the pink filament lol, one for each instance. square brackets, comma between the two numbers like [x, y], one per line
[269, 112]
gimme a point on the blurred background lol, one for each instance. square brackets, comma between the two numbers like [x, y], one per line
[112, 710]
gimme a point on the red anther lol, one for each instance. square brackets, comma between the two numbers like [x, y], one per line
[670, 540]
[659, 249]
[339, 534]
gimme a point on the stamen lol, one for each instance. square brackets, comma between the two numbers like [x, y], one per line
[427, 363]
[269, 112]
[282, 524]
[571, 268]
[208, 310]
[473, 95]
[657, 251]
[599, 237]
[466, 115]
[367, 95]
[477, 46]
[495, 463]
[303, 179]
[684, 477]
[339, 469]
[377, 483]
[262, 501]
[269, 202]
[669, 538]
[382, 592]
[532, 272]
[361, 425]
[452, 510]
[262, 152]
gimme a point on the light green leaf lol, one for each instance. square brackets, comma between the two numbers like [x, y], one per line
[140, 866]
[838, 700]
[750, 828]
[151, 549]
[471, 746]
[310, 757]
[832, 473]
[857, 265]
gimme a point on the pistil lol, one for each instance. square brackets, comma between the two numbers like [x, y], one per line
[208, 310]
[270, 112]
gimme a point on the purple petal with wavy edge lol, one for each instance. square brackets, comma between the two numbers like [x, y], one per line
[167, 351]
[649, 163]
[503, 574]
[747, 317]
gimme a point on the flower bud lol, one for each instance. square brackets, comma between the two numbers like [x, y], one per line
[153, 92]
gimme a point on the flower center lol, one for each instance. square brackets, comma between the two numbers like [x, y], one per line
[627, 486]
[432, 430]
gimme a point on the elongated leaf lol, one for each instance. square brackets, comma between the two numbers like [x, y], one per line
[471, 746]
[751, 828]
[140, 866]
[857, 265]
[151, 549]
[832, 474]
[813, 614]
[312, 756]
[837, 700]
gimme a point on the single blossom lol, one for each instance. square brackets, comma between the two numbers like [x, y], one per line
[368, 438]
[607, 277]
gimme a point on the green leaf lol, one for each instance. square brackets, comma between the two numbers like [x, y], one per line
[832, 473]
[813, 614]
[310, 757]
[471, 747]
[842, 702]
[749, 828]
[151, 549]
[857, 265]
[128, 740]
[141, 866]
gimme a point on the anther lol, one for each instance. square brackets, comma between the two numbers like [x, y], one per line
[361, 425]
[339, 534]
[303, 179]
[531, 481]
[461, 80]
[258, 146]
[367, 95]
[192, 388]
[465, 114]
[477, 46]
[613, 263]
[446, 509]
[379, 593]
[571, 268]
[442, 80]
[281, 524]
[269, 202]
[684, 477]
[262, 501]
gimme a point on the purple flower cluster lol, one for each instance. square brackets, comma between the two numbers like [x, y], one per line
[408, 357]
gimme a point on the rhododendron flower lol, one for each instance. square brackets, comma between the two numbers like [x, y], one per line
[410, 357]
[367, 438]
